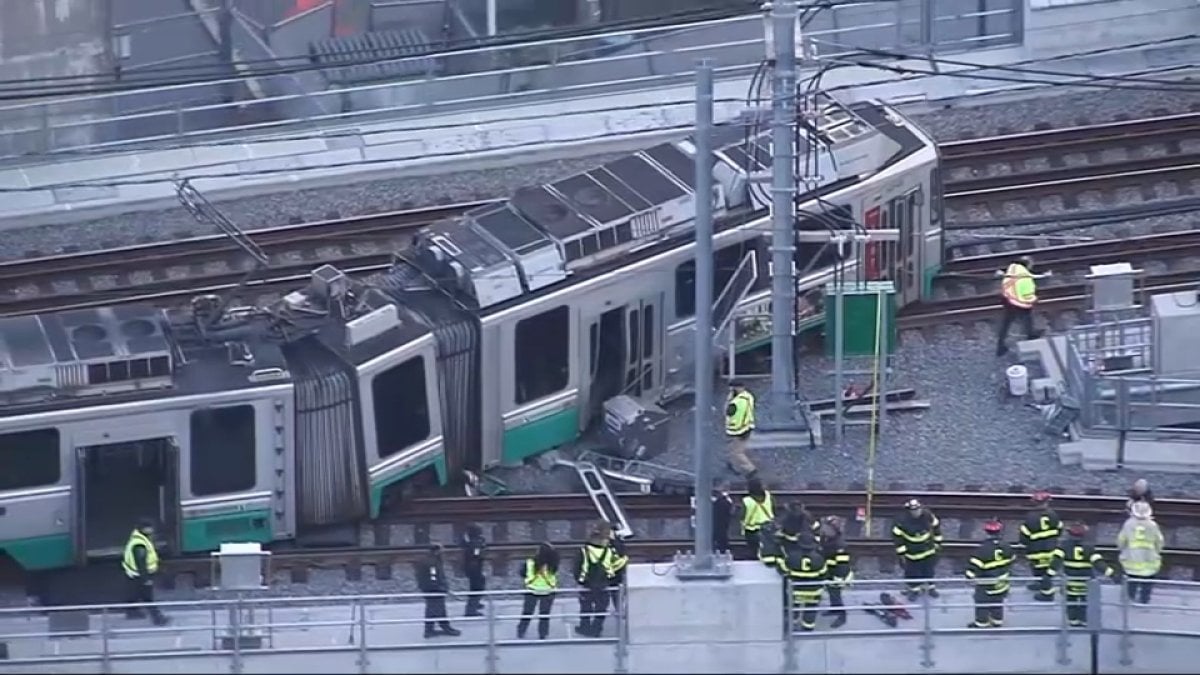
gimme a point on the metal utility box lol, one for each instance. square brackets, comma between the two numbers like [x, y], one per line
[1176, 323]
[1112, 286]
[861, 310]
[633, 429]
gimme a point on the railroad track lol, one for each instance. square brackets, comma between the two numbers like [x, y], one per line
[208, 264]
[167, 273]
[1080, 255]
[966, 509]
[963, 160]
[1062, 298]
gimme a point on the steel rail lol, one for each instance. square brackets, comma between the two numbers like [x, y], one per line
[1085, 176]
[1126, 249]
[1058, 298]
[189, 251]
[1080, 138]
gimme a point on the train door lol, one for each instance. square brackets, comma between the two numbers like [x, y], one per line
[906, 217]
[643, 345]
[120, 478]
[606, 358]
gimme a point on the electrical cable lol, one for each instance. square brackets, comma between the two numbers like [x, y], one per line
[880, 398]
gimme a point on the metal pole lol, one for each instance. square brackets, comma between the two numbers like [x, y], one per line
[839, 355]
[491, 18]
[225, 38]
[783, 190]
[704, 319]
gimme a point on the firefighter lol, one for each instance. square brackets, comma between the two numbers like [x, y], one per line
[770, 546]
[989, 569]
[1019, 290]
[807, 571]
[917, 534]
[1039, 536]
[1078, 561]
[739, 424]
[758, 507]
[797, 519]
[833, 549]
[593, 572]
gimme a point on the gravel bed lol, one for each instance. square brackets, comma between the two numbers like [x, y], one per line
[1174, 222]
[965, 120]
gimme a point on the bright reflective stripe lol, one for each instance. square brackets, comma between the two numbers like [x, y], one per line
[1018, 286]
[742, 419]
[539, 581]
[755, 513]
[129, 562]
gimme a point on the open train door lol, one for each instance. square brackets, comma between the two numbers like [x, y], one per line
[79, 508]
[170, 506]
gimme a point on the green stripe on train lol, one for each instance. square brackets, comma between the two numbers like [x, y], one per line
[377, 487]
[540, 435]
[41, 553]
[207, 533]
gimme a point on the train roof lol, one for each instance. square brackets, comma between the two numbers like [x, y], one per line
[500, 254]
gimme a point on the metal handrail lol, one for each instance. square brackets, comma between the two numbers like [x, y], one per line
[42, 118]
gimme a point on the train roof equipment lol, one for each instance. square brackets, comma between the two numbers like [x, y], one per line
[544, 234]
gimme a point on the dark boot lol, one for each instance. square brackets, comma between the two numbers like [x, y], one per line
[447, 629]
[839, 621]
[933, 592]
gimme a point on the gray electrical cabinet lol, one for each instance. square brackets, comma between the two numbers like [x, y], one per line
[1176, 323]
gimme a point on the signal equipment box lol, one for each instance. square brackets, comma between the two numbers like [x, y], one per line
[861, 310]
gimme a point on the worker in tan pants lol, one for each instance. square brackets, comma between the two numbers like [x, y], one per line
[739, 424]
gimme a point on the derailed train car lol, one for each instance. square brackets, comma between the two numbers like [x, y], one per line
[498, 336]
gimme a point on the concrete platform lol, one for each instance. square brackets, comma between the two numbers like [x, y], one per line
[675, 626]
[1103, 451]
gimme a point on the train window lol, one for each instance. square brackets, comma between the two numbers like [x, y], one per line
[401, 406]
[685, 290]
[542, 354]
[29, 459]
[725, 263]
[224, 450]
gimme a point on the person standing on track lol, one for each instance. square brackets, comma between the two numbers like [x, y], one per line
[1019, 290]
[833, 549]
[541, 581]
[722, 516]
[1141, 543]
[739, 424]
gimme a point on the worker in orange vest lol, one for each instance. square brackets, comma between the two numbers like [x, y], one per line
[1019, 289]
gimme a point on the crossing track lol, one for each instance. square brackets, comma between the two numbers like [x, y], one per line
[967, 509]
[1078, 256]
[964, 160]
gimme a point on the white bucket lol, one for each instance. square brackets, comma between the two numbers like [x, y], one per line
[1018, 380]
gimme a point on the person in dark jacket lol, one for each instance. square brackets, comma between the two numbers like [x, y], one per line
[798, 520]
[722, 516]
[619, 560]
[474, 549]
[833, 549]
[140, 564]
[431, 579]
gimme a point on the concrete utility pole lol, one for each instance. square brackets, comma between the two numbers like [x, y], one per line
[703, 565]
[783, 204]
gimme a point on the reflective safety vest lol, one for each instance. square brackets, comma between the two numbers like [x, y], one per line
[539, 581]
[1139, 552]
[742, 419]
[1019, 288]
[597, 564]
[755, 513]
[130, 562]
